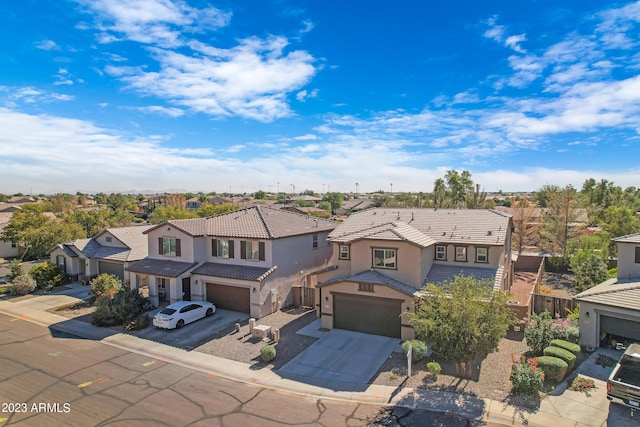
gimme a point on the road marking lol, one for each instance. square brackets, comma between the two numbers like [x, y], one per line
[149, 363]
[88, 383]
[15, 319]
[3, 420]
[212, 375]
[56, 354]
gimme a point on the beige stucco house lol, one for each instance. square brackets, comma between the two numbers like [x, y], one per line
[383, 257]
[110, 251]
[611, 310]
[246, 260]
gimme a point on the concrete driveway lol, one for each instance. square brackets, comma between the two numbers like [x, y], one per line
[196, 333]
[341, 360]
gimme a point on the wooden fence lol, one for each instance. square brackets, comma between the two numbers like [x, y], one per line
[554, 305]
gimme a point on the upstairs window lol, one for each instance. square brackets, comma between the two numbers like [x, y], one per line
[314, 243]
[461, 253]
[384, 258]
[222, 248]
[482, 255]
[344, 252]
[253, 251]
[637, 254]
[169, 246]
[108, 239]
[441, 253]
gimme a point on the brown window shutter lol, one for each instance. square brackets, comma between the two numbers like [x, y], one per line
[243, 249]
[230, 248]
[160, 246]
[214, 247]
[261, 250]
[177, 247]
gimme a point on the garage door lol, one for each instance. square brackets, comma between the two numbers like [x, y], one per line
[620, 327]
[229, 297]
[371, 315]
[111, 268]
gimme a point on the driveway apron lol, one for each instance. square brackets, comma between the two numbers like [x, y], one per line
[341, 360]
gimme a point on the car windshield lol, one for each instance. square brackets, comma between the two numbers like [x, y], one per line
[168, 311]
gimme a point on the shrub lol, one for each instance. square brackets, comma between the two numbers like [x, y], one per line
[566, 345]
[554, 368]
[123, 309]
[434, 368]
[541, 329]
[47, 274]
[15, 269]
[105, 284]
[583, 385]
[268, 353]
[526, 377]
[563, 354]
[418, 349]
[22, 285]
[573, 333]
[140, 322]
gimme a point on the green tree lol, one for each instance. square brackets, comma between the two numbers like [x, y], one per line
[118, 201]
[462, 320]
[335, 199]
[459, 187]
[557, 227]
[325, 205]
[47, 274]
[260, 195]
[526, 232]
[619, 221]
[439, 193]
[207, 209]
[589, 269]
[166, 213]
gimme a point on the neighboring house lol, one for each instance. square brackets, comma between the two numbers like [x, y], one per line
[308, 211]
[352, 205]
[611, 310]
[110, 251]
[383, 258]
[7, 249]
[246, 260]
[193, 203]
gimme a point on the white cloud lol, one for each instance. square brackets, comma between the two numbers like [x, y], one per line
[307, 26]
[498, 33]
[250, 80]
[303, 95]
[163, 111]
[47, 45]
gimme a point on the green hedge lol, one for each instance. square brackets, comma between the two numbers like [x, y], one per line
[563, 354]
[418, 349]
[554, 368]
[566, 345]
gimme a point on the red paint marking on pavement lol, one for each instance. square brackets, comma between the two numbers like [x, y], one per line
[213, 375]
[254, 380]
[100, 380]
[163, 358]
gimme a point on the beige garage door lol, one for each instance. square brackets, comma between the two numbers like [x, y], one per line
[370, 315]
[229, 297]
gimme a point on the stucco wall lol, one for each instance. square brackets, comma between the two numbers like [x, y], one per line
[627, 266]
[590, 325]
[167, 231]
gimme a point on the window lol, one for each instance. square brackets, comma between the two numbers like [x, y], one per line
[384, 258]
[108, 239]
[637, 254]
[461, 253]
[482, 255]
[14, 245]
[253, 251]
[314, 243]
[344, 252]
[441, 253]
[365, 287]
[222, 248]
[169, 246]
[162, 282]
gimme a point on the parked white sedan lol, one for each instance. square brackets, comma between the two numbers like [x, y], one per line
[180, 313]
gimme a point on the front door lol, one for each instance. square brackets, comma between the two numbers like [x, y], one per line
[186, 289]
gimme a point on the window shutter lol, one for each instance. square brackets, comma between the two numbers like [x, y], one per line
[177, 247]
[214, 247]
[261, 251]
[160, 246]
[230, 248]
[243, 249]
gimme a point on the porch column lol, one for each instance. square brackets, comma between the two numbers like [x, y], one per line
[175, 290]
[153, 292]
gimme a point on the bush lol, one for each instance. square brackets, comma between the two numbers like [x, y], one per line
[541, 329]
[583, 385]
[563, 354]
[418, 349]
[525, 377]
[566, 345]
[22, 285]
[554, 368]
[15, 269]
[268, 353]
[434, 368]
[105, 284]
[47, 274]
[123, 309]
[573, 334]
[140, 322]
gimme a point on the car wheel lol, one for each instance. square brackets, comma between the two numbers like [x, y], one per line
[209, 312]
[180, 324]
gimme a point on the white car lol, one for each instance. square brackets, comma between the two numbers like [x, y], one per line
[180, 313]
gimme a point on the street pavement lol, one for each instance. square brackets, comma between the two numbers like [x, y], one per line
[561, 408]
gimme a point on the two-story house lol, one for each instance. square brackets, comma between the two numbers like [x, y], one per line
[246, 260]
[110, 252]
[383, 257]
[610, 311]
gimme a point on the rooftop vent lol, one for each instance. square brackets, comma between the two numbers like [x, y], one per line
[489, 233]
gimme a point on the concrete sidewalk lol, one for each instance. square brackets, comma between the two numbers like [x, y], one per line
[566, 409]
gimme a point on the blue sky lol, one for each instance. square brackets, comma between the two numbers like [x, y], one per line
[119, 95]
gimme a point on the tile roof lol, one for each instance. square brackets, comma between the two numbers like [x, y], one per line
[441, 274]
[232, 271]
[470, 226]
[614, 292]
[135, 238]
[374, 277]
[629, 238]
[256, 222]
[161, 267]
[389, 231]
